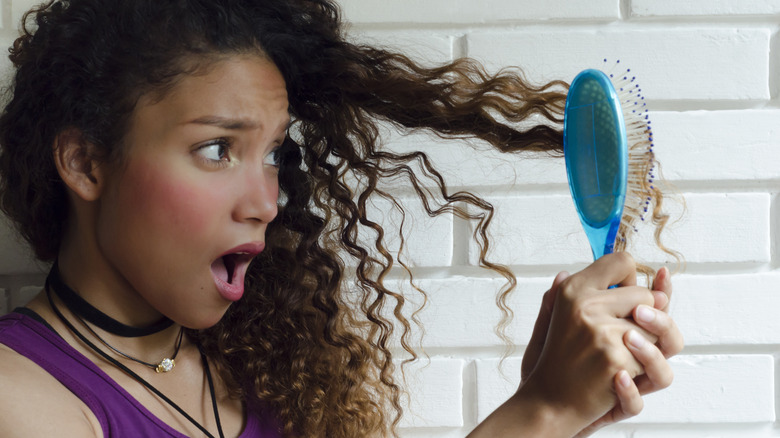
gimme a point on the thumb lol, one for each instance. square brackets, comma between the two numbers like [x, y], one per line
[542, 325]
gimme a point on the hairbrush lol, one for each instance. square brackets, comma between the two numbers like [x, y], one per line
[608, 149]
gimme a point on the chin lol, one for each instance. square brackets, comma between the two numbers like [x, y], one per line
[205, 321]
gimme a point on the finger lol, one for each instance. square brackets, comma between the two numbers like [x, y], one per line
[661, 301]
[630, 401]
[542, 325]
[616, 268]
[659, 323]
[621, 302]
[658, 373]
[663, 283]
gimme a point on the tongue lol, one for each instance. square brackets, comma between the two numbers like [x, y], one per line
[220, 270]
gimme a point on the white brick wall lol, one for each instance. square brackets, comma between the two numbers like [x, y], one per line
[709, 70]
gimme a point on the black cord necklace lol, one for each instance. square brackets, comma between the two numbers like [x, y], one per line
[140, 379]
[80, 307]
[163, 366]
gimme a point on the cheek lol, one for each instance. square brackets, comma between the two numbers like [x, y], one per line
[168, 202]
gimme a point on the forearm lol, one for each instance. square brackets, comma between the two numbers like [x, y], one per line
[525, 415]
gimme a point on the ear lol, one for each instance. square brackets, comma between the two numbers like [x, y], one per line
[77, 164]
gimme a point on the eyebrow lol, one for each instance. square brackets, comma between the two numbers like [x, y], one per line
[232, 124]
[225, 123]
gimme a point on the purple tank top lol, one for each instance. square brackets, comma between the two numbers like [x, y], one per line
[119, 414]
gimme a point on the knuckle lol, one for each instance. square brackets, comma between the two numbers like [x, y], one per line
[569, 288]
[625, 259]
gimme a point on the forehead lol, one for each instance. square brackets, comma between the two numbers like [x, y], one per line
[248, 88]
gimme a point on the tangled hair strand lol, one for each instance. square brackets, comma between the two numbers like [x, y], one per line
[297, 343]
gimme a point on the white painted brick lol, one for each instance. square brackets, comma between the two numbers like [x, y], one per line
[469, 11]
[428, 241]
[494, 385]
[449, 316]
[718, 145]
[736, 430]
[19, 7]
[727, 309]
[535, 230]
[426, 47]
[716, 228]
[23, 296]
[3, 302]
[650, 8]
[477, 164]
[715, 389]
[671, 63]
[15, 256]
[433, 433]
[706, 389]
[435, 393]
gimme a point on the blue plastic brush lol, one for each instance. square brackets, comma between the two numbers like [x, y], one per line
[607, 145]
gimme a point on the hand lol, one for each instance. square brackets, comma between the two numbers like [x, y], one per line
[577, 357]
[657, 374]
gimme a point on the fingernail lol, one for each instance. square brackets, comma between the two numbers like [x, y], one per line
[645, 313]
[636, 340]
[624, 379]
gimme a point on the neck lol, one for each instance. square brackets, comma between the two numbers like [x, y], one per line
[85, 311]
[97, 282]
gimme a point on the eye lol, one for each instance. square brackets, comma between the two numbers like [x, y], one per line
[274, 158]
[218, 150]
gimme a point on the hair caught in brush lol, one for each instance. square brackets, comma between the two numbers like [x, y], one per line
[295, 344]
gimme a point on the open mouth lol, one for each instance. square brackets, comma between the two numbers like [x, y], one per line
[230, 266]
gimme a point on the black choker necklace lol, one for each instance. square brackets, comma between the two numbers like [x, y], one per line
[141, 380]
[82, 308]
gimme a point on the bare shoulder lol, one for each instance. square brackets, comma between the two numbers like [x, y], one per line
[33, 403]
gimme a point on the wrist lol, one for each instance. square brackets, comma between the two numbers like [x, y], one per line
[529, 414]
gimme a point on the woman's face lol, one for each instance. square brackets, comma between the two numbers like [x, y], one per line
[187, 208]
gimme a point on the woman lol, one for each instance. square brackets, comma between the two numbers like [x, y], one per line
[185, 165]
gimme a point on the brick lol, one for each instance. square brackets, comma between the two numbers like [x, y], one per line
[752, 430]
[705, 390]
[435, 393]
[477, 164]
[715, 228]
[727, 309]
[428, 241]
[681, 138]
[494, 385]
[18, 9]
[672, 63]
[466, 11]
[448, 317]
[23, 296]
[651, 8]
[15, 255]
[545, 230]
[721, 145]
[715, 389]
[535, 230]
[433, 433]
[426, 47]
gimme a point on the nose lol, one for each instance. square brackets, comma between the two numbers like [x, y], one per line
[258, 195]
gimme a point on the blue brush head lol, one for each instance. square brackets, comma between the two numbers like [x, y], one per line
[595, 148]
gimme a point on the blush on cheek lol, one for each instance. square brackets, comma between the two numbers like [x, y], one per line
[169, 199]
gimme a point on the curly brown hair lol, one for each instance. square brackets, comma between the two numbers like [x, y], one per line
[294, 342]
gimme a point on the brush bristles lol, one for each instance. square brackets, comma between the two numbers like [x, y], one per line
[641, 158]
